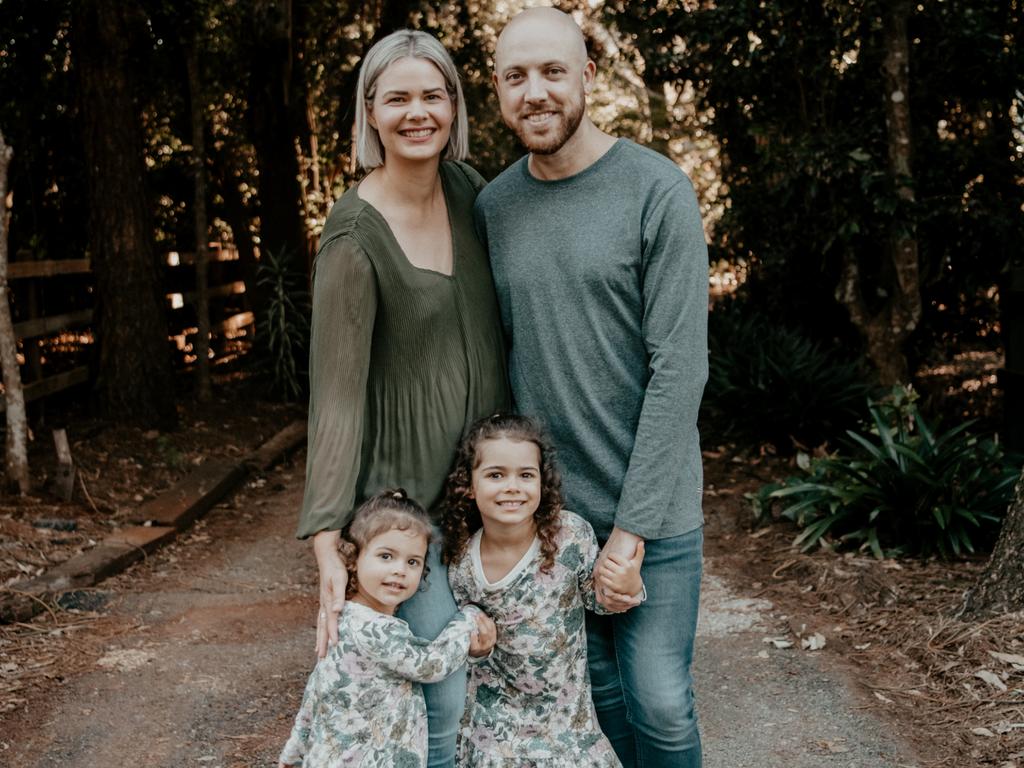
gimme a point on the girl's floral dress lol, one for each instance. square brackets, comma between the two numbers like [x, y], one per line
[529, 701]
[363, 704]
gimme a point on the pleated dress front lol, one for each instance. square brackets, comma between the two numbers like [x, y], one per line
[402, 358]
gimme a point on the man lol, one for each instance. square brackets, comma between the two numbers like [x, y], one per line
[601, 269]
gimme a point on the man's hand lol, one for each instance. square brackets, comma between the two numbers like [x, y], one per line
[482, 641]
[333, 580]
[620, 576]
[628, 551]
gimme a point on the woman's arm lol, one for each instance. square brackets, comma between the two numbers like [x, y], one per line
[344, 308]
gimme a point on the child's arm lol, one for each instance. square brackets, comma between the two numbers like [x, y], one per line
[298, 743]
[395, 647]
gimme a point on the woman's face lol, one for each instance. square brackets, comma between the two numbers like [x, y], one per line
[412, 110]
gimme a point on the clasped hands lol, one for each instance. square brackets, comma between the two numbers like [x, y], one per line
[617, 571]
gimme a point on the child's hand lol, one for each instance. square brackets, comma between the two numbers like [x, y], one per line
[483, 639]
[618, 579]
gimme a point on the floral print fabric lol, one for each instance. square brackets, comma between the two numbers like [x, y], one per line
[529, 701]
[363, 705]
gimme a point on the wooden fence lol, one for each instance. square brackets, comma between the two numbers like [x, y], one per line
[70, 328]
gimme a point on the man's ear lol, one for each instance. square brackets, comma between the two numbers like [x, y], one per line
[494, 81]
[589, 73]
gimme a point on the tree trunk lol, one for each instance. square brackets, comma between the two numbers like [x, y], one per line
[886, 329]
[204, 391]
[17, 425]
[273, 107]
[1000, 589]
[135, 378]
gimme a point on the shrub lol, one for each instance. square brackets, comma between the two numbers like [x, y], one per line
[283, 330]
[769, 383]
[901, 486]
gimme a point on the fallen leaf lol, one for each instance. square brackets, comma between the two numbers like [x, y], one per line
[982, 732]
[991, 678]
[814, 642]
[1009, 658]
[778, 642]
[880, 697]
[1004, 726]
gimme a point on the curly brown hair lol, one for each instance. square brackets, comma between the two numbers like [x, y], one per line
[384, 511]
[461, 517]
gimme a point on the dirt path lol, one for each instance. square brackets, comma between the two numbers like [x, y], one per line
[206, 656]
[207, 645]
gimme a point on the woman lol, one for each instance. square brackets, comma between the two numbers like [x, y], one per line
[406, 345]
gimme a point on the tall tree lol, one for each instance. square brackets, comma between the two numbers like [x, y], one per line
[1000, 589]
[887, 329]
[204, 390]
[276, 106]
[16, 452]
[134, 380]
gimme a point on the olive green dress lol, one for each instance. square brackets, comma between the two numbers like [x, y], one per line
[402, 359]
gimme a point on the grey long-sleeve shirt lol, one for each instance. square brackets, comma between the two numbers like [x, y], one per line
[602, 279]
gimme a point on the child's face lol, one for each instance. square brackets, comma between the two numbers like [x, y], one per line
[506, 482]
[389, 568]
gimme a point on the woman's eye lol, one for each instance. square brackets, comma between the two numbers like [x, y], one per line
[385, 556]
[414, 563]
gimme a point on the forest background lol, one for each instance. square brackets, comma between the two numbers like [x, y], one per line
[858, 162]
[860, 170]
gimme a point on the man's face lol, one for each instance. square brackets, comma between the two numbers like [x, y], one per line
[542, 78]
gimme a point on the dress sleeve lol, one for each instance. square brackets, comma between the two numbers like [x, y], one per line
[344, 307]
[298, 743]
[393, 645]
[589, 551]
[675, 316]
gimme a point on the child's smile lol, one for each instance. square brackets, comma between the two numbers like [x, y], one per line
[506, 482]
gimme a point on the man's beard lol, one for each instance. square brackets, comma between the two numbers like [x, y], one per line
[572, 117]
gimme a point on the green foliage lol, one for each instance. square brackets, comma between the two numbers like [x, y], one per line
[902, 485]
[795, 95]
[282, 332]
[770, 383]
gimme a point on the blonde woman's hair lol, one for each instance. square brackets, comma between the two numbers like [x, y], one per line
[406, 43]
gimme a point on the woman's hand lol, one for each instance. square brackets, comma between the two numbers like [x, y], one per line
[333, 580]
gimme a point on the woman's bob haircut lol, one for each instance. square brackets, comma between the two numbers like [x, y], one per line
[406, 43]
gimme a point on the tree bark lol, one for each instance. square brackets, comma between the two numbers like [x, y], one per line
[135, 377]
[204, 390]
[17, 423]
[886, 329]
[272, 113]
[1000, 589]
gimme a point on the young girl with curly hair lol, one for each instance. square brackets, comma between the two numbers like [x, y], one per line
[363, 704]
[529, 564]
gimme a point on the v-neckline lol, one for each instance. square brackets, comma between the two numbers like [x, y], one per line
[394, 239]
[514, 571]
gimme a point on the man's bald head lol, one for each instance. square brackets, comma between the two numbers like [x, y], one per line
[550, 26]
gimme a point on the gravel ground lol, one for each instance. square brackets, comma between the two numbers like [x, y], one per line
[210, 641]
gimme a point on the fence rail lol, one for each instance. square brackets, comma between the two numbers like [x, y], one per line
[229, 315]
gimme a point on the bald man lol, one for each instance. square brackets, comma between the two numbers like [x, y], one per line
[601, 269]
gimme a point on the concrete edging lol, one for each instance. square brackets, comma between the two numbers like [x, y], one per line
[159, 521]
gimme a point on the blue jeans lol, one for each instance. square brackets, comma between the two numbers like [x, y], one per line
[427, 613]
[640, 661]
